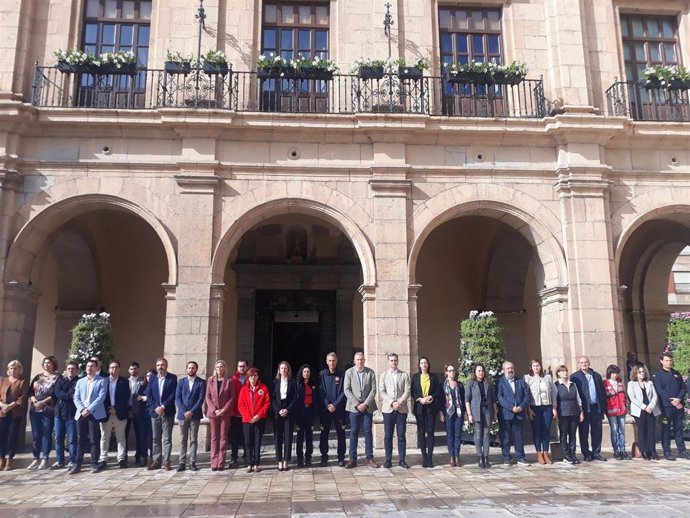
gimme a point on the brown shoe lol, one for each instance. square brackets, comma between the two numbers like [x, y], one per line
[167, 465]
[8, 465]
[540, 458]
[453, 462]
[154, 465]
[2, 463]
[351, 464]
[372, 463]
[547, 458]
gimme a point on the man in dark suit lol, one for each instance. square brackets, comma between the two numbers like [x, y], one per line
[590, 386]
[513, 400]
[138, 416]
[671, 390]
[189, 398]
[117, 402]
[160, 398]
[332, 401]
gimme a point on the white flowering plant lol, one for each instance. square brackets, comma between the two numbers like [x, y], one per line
[178, 57]
[118, 59]
[307, 62]
[295, 67]
[491, 71]
[92, 336]
[76, 57]
[215, 57]
[667, 76]
[481, 341]
[361, 63]
[421, 63]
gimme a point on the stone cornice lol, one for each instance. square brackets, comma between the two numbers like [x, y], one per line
[170, 291]
[557, 294]
[10, 180]
[390, 188]
[582, 181]
[368, 292]
[197, 183]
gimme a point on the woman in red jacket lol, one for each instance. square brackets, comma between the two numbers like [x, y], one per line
[253, 404]
[219, 398]
[616, 408]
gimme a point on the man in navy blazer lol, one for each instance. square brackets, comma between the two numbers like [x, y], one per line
[189, 398]
[117, 402]
[160, 399]
[591, 389]
[513, 399]
[89, 395]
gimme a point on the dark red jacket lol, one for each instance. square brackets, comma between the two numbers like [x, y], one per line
[615, 399]
[258, 405]
[236, 386]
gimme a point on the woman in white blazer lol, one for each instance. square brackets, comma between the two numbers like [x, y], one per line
[644, 408]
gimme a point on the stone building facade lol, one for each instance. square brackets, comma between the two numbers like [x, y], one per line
[280, 218]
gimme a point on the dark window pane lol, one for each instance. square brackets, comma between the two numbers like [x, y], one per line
[654, 53]
[126, 35]
[477, 45]
[669, 53]
[286, 39]
[494, 44]
[91, 34]
[303, 39]
[668, 28]
[624, 28]
[269, 39]
[637, 28]
[446, 42]
[108, 36]
[462, 45]
[322, 40]
[144, 31]
[653, 28]
[444, 19]
[142, 56]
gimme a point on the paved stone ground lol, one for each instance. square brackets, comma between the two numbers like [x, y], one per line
[615, 488]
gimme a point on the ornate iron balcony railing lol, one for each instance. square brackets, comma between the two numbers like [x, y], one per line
[247, 92]
[636, 101]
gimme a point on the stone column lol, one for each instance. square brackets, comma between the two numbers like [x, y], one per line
[413, 291]
[193, 316]
[215, 325]
[592, 297]
[246, 309]
[10, 184]
[19, 325]
[552, 303]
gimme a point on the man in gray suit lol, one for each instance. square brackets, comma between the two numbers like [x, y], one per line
[360, 391]
[395, 392]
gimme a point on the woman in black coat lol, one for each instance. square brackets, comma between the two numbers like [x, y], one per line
[425, 389]
[305, 411]
[284, 400]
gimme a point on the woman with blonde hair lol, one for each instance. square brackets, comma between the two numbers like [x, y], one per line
[284, 399]
[540, 410]
[645, 409]
[13, 398]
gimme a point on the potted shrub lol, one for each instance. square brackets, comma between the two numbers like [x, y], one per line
[472, 72]
[215, 62]
[273, 67]
[76, 61]
[314, 68]
[177, 63]
[512, 74]
[670, 77]
[121, 62]
[370, 68]
[413, 71]
[92, 336]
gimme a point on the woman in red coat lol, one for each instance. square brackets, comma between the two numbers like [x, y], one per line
[219, 398]
[253, 404]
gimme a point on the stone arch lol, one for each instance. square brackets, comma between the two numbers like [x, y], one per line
[30, 238]
[246, 221]
[518, 210]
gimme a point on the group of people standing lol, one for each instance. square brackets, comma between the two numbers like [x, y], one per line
[83, 412]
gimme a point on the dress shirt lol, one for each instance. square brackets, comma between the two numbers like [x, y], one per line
[512, 384]
[592, 388]
[112, 385]
[283, 388]
[161, 383]
[89, 388]
[394, 373]
[191, 382]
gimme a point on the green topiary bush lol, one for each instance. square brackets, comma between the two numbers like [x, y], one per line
[678, 340]
[92, 336]
[481, 341]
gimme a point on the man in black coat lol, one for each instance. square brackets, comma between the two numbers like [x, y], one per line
[117, 403]
[332, 402]
[671, 390]
[65, 426]
[591, 388]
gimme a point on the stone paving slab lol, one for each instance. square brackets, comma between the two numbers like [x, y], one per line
[616, 488]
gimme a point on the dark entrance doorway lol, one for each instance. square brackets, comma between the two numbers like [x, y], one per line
[298, 326]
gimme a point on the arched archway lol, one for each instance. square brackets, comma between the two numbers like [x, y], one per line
[292, 269]
[647, 250]
[83, 254]
[490, 254]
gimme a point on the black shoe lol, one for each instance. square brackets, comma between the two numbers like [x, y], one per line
[341, 463]
[102, 465]
[193, 467]
[96, 468]
[307, 462]
[137, 461]
[617, 455]
[388, 464]
[568, 459]
[653, 455]
[425, 464]
[486, 462]
[684, 455]
[670, 457]
[75, 469]
[480, 462]
[324, 463]
[300, 463]
[599, 458]
[523, 462]
[575, 460]
[587, 458]
[214, 469]
[181, 468]
[403, 464]
[507, 462]
[233, 464]
[429, 463]
[122, 464]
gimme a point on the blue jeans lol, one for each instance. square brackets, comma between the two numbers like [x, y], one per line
[361, 421]
[617, 424]
[65, 429]
[42, 432]
[541, 426]
[454, 434]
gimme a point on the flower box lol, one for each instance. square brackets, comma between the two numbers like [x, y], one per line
[68, 68]
[478, 78]
[315, 73]
[175, 67]
[653, 83]
[275, 73]
[506, 78]
[213, 69]
[678, 84]
[126, 69]
[366, 72]
[410, 73]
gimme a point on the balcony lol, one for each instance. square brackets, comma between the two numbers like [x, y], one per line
[634, 100]
[246, 92]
